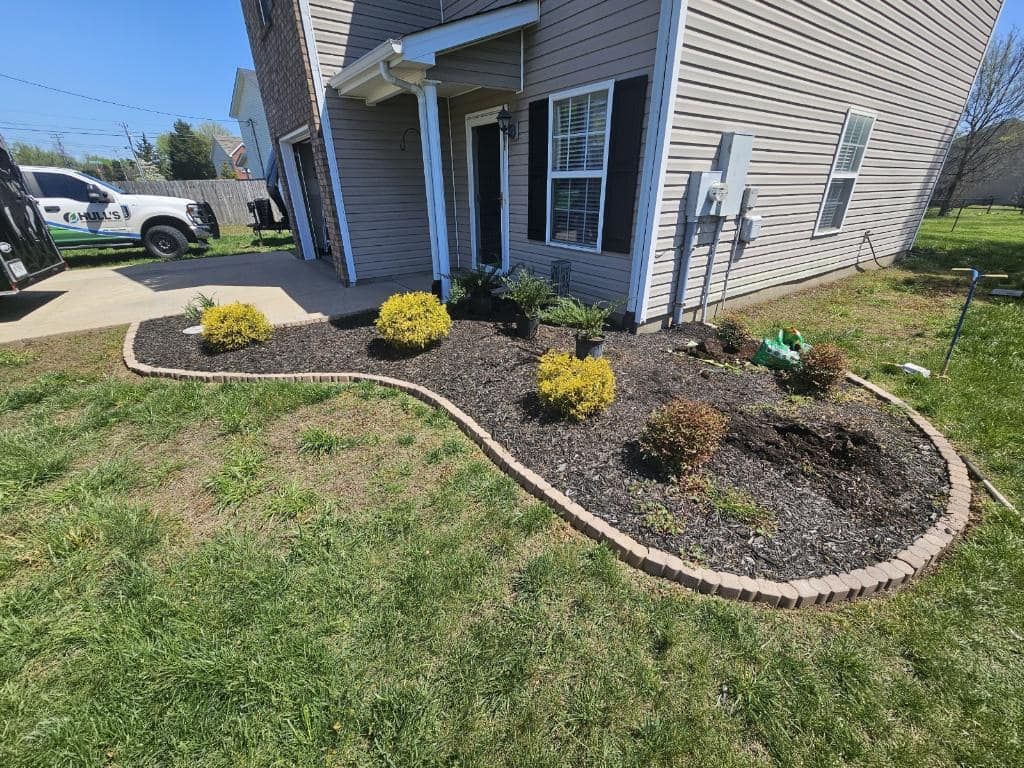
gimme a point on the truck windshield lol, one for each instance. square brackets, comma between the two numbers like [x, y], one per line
[102, 183]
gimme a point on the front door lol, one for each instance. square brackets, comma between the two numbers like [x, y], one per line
[487, 163]
[311, 197]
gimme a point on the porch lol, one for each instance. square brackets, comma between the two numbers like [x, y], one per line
[475, 65]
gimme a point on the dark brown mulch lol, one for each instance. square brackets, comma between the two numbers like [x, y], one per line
[848, 482]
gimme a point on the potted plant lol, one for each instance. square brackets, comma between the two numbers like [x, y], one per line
[478, 286]
[587, 320]
[530, 294]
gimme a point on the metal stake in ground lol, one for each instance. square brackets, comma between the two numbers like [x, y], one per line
[976, 277]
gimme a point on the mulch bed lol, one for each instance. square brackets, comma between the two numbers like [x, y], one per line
[840, 483]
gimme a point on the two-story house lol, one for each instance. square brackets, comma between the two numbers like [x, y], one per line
[663, 153]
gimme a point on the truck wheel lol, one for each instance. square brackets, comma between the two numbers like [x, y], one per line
[165, 242]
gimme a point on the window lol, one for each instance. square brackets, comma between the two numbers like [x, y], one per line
[61, 185]
[265, 7]
[577, 166]
[845, 169]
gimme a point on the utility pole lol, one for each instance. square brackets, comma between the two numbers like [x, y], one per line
[58, 144]
[131, 147]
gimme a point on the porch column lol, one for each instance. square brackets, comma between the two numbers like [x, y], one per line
[433, 174]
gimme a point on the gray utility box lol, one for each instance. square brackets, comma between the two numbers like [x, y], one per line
[720, 192]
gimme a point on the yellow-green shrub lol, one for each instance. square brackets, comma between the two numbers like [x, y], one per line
[413, 321]
[575, 388]
[233, 326]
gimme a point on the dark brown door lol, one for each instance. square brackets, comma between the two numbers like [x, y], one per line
[311, 197]
[488, 193]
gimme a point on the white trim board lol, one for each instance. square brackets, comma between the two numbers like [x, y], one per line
[475, 120]
[664, 92]
[328, 137]
[291, 173]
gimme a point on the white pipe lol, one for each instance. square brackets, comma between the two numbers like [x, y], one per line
[709, 268]
[686, 251]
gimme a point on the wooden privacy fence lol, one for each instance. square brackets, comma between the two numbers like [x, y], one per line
[227, 196]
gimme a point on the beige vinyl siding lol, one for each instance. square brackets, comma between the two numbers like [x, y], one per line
[385, 202]
[494, 62]
[578, 42]
[459, 9]
[788, 72]
[346, 29]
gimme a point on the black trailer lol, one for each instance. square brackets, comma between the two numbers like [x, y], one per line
[27, 252]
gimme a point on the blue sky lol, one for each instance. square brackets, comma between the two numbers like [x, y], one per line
[178, 57]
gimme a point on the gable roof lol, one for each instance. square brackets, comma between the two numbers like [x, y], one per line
[228, 143]
[244, 78]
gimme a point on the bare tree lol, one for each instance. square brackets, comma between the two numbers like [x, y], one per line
[985, 128]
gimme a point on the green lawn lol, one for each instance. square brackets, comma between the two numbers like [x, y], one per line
[272, 575]
[233, 240]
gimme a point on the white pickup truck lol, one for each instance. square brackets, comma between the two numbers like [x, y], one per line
[85, 212]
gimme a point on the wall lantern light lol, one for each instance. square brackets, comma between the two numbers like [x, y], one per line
[506, 123]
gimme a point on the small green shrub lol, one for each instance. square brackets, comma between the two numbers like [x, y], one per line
[659, 520]
[575, 388]
[739, 505]
[733, 332]
[587, 320]
[682, 436]
[234, 326]
[528, 292]
[197, 306]
[821, 369]
[413, 321]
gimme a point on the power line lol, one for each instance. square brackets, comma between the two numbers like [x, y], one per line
[104, 101]
[14, 128]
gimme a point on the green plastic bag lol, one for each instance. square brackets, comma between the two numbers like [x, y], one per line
[775, 353]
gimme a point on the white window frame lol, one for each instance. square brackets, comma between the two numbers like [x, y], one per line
[606, 85]
[834, 175]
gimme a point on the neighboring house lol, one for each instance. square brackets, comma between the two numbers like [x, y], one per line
[247, 109]
[428, 135]
[999, 174]
[230, 151]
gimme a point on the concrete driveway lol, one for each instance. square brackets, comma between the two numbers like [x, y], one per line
[285, 288]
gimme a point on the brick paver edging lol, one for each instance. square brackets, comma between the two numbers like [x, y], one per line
[797, 593]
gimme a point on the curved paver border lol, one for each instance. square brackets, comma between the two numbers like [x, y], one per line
[796, 593]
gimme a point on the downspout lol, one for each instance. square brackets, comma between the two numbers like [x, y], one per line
[421, 101]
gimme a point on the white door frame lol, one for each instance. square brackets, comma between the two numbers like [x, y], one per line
[474, 120]
[307, 247]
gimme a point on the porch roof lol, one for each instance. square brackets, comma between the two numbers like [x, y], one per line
[412, 56]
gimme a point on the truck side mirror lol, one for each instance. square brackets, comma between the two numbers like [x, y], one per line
[97, 195]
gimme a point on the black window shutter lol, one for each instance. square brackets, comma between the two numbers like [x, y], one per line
[537, 191]
[623, 163]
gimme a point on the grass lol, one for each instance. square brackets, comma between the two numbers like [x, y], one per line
[180, 585]
[233, 240]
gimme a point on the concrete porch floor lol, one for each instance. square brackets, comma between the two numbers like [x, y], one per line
[285, 288]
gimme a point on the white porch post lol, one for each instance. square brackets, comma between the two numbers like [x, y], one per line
[433, 173]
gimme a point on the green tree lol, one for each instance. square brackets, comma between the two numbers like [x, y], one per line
[227, 171]
[30, 154]
[188, 154]
[146, 152]
[212, 130]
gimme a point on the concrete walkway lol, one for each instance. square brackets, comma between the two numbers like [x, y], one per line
[285, 288]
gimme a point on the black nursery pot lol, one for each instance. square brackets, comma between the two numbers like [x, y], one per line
[526, 327]
[589, 347]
